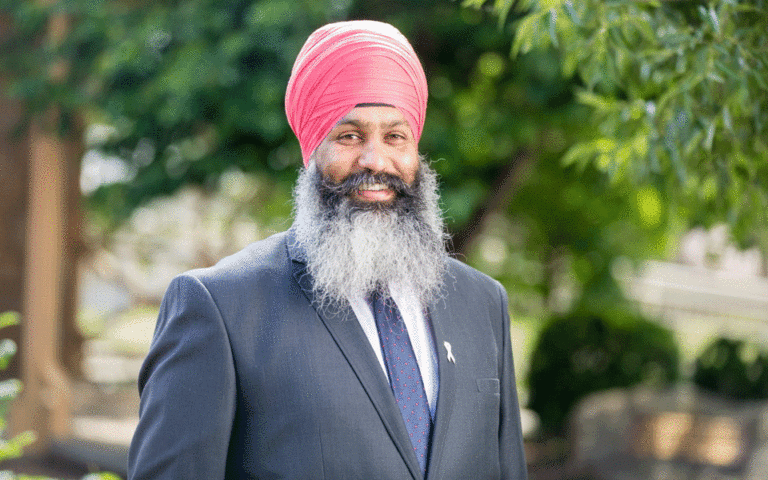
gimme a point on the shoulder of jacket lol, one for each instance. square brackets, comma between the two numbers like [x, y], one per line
[461, 273]
[262, 258]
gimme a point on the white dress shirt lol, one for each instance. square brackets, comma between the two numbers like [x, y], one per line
[419, 332]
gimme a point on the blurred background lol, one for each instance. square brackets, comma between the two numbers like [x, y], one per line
[606, 161]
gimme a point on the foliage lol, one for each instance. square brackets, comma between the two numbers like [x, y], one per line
[733, 368]
[188, 92]
[9, 389]
[677, 90]
[567, 237]
[184, 90]
[584, 352]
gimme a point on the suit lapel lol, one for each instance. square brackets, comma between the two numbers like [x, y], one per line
[354, 345]
[441, 316]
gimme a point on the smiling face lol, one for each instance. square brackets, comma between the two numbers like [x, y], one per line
[370, 139]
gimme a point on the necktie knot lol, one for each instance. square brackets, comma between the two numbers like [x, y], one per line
[384, 309]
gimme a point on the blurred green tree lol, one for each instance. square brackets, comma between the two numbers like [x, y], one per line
[185, 90]
[677, 92]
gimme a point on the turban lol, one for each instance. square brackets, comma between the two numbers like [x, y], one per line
[344, 64]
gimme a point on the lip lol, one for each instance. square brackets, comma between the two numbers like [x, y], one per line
[375, 193]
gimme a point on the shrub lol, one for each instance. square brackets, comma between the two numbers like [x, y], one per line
[733, 368]
[585, 352]
[9, 389]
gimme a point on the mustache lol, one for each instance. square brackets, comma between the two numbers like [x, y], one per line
[334, 194]
[354, 181]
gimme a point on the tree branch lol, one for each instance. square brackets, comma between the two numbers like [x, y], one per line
[498, 196]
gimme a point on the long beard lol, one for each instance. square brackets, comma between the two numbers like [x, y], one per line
[354, 248]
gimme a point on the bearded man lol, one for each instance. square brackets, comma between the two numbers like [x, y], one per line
[350, 346]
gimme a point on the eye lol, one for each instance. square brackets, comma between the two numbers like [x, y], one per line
[348, 137]
[397, 137]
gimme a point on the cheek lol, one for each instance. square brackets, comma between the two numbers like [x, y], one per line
[331, 163]
[337, 170]
[409, 166]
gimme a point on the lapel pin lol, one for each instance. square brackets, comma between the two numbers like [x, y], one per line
[449, 353]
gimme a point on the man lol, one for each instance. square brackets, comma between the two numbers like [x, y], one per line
[351, 346]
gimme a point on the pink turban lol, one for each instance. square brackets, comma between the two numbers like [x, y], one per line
[348, 63]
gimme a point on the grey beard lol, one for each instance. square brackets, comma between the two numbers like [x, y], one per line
[353, 249]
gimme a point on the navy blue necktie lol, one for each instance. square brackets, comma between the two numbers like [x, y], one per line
[404, 375]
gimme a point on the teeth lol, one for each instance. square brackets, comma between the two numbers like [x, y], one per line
[373, 186]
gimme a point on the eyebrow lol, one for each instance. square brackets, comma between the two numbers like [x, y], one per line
[361, 124]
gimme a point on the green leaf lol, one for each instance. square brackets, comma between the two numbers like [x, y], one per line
[677, 162]
[580, 154]
[101, 476]
[14, 448]
[710, 136]
[553, 27]
[712, 15]
[7, 351]
[693, 144]
[9, 318]
[573, 15]
[527, 35]
[722, 67]
[727, 120]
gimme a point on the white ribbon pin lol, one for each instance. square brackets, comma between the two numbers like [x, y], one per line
[449, 353]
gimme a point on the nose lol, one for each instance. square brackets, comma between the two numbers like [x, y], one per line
[373, 156]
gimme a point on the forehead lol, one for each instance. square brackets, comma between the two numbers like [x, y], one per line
[374, 116]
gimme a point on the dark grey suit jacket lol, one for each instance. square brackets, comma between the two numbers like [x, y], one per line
[247, 379]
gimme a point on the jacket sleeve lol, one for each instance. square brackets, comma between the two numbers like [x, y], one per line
[511, 453]
[187, 388]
